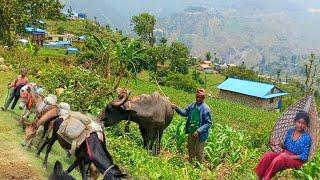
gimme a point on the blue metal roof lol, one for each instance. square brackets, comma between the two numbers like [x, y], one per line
[83, 37]
[34, 30]
[72, 49]
[62, 43]
[250, 88]
[274, 95]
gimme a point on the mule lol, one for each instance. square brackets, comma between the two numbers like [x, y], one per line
[92, 150]
[59, 174]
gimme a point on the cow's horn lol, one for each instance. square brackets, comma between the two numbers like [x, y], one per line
[119, 102]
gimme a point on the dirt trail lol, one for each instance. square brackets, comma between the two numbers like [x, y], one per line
[15, 162]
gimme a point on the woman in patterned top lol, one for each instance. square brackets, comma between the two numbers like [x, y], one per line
[295, 152]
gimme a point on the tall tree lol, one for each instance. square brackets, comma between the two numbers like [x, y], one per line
[278, 75]
[178, 54]
[208, 56]
[310, 72]
[14, 15]
[143, 25]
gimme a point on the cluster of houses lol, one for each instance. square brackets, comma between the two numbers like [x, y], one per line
[210, 67]
[38, 35]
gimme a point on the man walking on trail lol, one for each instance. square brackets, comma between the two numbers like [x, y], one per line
[198, 125]
[15, 87]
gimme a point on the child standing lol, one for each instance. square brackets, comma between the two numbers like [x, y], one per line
[15, 86]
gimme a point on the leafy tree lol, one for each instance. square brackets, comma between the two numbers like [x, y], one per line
[239, 72]
[118, 57]
[60, 30]
[96, 54]
[69, 11]
[178, 54]
[180, 81]
[14, 15]
[127, 59]
[216, 59]
[208, 56]
[163, 40]
[144, 25]
[157, 56]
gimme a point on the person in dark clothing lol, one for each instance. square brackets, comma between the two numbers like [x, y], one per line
[199, 121]
[15, 87]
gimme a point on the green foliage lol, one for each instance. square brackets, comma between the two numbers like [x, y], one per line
[179, 53]
[163, 40]
[310, 170]
[225, 144]
[14, 15]
[241, 72]
[157, 55]
[84, 90]
[180, 81]
[208, 56]
[60, 30]
[143, 25]
[196, 76]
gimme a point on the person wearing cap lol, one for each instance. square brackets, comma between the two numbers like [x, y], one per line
[199, 121]
[16, 85]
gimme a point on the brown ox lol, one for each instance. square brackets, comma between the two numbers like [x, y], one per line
[153, 113]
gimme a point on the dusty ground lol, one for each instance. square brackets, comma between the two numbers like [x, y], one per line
[14, 161]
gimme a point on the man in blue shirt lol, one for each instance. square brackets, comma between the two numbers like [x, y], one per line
[198, 125]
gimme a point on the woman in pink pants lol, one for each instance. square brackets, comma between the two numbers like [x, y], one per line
[296, 150]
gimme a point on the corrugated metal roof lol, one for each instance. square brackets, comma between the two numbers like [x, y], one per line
[35, 30]
[250, 88]
[274, 95]
[63, 43]
[72, 49]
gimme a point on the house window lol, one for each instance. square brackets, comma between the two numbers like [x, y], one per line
[60, 39]
[271, 100]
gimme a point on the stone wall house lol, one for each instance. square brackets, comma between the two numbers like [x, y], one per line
[251, 93]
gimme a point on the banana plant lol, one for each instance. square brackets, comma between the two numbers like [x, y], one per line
[126, 57]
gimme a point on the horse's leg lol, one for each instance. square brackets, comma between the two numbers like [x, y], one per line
[103, 143]
[144, 136]
[43, 145]
[82, 169]
[45, 129]
[73, 165]
[52, 140]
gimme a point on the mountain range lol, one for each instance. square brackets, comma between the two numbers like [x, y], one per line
[260, 33]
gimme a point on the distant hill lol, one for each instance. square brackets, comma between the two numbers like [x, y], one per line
[257, 37]
[265, 34]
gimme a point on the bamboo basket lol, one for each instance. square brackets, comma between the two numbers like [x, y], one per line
[286, 122]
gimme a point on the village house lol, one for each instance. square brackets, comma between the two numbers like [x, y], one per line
[59, 37]
[206, 66]
[251, 93]
[36, 35]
